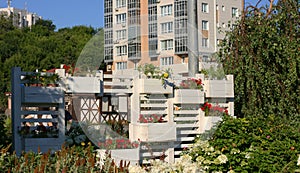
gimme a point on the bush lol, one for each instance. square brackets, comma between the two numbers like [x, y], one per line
[250, 145]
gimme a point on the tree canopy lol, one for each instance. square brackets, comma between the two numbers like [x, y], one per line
[41, 47]
[263, 54]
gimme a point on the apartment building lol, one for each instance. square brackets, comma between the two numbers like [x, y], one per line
[156, 31]
[20, 17]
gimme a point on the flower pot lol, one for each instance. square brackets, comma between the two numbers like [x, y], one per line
[219, 88]
[193, 96]
[42, 95]
[152, 132]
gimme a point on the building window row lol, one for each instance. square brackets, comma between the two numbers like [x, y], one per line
[121, 34]
[181, 26]
[108, 53]
[167, 27]
[134, 16]
[121, 50]
[166, 60]
[180, 8]
[108, 35]
[121, 18]
[108, 6]
[152, 13]
[181, 44]
[121, 65]
[134, 50]
[166, 44]
[108, 21]
[120, 3]
[152, 30]
[166, 10]
[134, 4]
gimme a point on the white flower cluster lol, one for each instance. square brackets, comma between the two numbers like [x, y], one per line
[298, 162]
[184, 164]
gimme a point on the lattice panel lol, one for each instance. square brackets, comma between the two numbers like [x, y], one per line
[90, 110]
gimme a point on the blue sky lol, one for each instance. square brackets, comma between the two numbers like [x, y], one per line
[68, 13]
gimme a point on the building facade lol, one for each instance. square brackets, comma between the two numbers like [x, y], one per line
[20, 17]
[156, 31]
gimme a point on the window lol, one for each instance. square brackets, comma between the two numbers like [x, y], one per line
[166, 61]
[204, 8]
[181, 44]
[166, 10]
[134, 51]
[223, 8]
[121, 50]
[204, 42]
[121, 34]
[121, 65]
[167, 45]
[120, 3]
[235, 12]
[167, 27]
[152, 13]
[108, 35]
[180, 8]
[205, 58]
[108, 21]
[121, 18]
[152, 30]
[180, 26]
[204, 25]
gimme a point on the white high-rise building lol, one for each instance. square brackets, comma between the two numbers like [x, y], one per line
[20, 17]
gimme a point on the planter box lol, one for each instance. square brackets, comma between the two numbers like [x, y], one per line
[42, 95]
[153, 86]
[152, 132]
[43, 144]
[219, 88]
[207, 122]
[82, 84]
[193, 96]
[128, 155]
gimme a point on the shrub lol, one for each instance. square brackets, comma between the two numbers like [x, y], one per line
[250, 145]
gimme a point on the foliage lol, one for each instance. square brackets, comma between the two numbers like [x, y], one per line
[214, 72]
[152, 71]
[121, 127]
[73, 159]
[5, 131]
[41, 78]
[41, 47]
[262, 52]
[152, 118]
[117, 144]
[213, 110]
[250, 145]
[191, 83]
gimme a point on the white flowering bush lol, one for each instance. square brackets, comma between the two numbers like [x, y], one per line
[184, 164]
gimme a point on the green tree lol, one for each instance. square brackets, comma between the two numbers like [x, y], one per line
[41, 47]
[263, 54]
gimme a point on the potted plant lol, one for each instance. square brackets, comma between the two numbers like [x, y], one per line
[152, 128]
[189, 91]
[211, 115]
